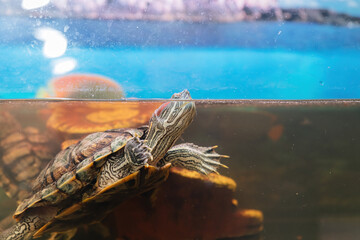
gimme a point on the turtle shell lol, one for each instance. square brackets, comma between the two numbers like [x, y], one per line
[98, 204]
[74, 168]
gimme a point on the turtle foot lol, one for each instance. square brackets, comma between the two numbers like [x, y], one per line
[192, 157]
[138, 152]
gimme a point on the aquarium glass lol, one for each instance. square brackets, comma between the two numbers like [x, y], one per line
[276, 86]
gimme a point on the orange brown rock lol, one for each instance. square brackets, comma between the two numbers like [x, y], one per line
[88, 117]
[187, 206]
[23, 153]
[82, 86]
[79, 118]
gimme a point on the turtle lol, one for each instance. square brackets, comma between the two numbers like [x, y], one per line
[89, 179]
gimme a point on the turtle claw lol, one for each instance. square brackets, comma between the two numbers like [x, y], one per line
[224, 166]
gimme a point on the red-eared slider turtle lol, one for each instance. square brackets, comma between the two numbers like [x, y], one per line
[86, 181]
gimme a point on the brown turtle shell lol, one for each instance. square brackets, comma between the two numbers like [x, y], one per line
[74, 168]
[100, 203]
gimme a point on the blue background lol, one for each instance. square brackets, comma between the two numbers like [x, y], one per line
[248, 60]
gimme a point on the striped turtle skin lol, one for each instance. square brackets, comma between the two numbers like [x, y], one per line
[87, 180]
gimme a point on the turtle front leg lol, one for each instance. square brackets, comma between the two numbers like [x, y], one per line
[137, 153]
[135, 156]
[192, 157]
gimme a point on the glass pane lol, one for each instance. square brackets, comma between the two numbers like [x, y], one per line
[88, 133]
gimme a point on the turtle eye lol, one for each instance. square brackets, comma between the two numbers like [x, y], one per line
[161, 109]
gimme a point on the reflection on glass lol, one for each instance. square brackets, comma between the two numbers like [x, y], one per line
[63, 65]
[33, 4]
[55, 43]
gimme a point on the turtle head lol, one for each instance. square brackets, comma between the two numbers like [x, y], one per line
[168, 122]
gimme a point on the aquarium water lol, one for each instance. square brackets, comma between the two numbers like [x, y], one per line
[296, 161]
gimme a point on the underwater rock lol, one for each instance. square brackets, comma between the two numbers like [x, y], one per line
[75, 119]
[79, 118]
[204, 209]
[23, 153]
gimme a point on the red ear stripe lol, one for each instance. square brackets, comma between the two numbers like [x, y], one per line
[160, 109]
